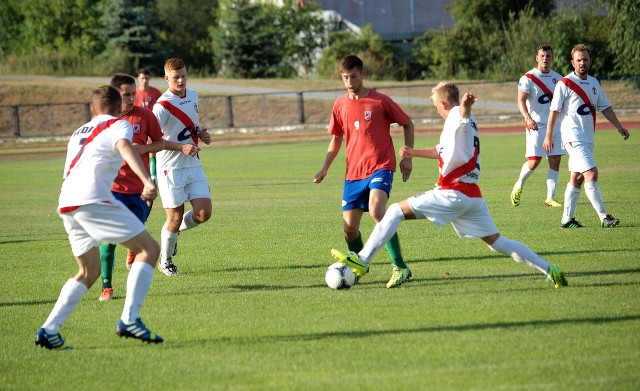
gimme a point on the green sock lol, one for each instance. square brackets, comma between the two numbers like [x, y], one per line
[107, 254]
[393, 246]
[356, 245]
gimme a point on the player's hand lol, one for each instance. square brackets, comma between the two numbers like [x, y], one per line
[320, 176]
[190, 149]
[406, 166]
[547, 144]
[531, 124]
[468, 99]
[205, 136]
[624, 132]
[406, 153]
[150, 191]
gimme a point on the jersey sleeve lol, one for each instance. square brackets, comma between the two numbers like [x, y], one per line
[161, 114]
[395, 112]
[603, 102]
[121, 129]
[335, 122]
[559, 96]
[524, 84]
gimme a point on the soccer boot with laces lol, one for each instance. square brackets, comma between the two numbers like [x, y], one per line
[552, 203]
[106, 295]
[609, 221]
[573, 223]
[352, 260]
[49, 341]
[556, 275]
[137, 330]
[515, 196]
[168, 267]
[399, 276]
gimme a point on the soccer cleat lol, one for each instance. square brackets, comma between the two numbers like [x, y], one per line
[352, 260]
[609, 221]
[399, 276]
[137, 330]
[573, 223]
[168, 268]
[107, 294]
[515, 196]
[49, 341]
[556, 275]
[130, 258]
[552, 203]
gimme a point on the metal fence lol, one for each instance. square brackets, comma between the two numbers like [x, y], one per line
[279, 111]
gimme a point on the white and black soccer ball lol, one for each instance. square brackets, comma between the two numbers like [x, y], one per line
[340, 276]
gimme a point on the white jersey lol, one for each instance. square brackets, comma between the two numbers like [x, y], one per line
[576, 120]
[181, 130]
[93, 161]
[538, 101]
[459, 154]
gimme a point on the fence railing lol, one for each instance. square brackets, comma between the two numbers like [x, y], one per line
[267, 111]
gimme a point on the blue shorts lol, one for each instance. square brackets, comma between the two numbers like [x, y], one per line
[356, 192]
[135, 204]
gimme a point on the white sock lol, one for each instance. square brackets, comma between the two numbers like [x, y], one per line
[520, 253]
[70, 295]
[571, 195]
[187, 221]
[525, 173]
[138, 284]
[592, 190]
[382, 232]
[552, 182]
[167, 244]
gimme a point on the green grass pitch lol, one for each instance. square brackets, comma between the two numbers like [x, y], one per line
[251, 310]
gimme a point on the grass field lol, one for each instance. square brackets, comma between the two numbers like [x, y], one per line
[251, 311]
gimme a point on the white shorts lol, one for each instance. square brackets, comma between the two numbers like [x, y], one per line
[92, 224]
[535, 139]
[180, 185]
[580, 156]
[469, 216]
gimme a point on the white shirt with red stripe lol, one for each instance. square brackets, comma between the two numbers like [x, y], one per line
[538, 101]
[576, 121]
[459, 154]
[176, 130]
[91, 167]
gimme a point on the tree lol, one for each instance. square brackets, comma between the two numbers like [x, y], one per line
[625, 34]
[496, 13]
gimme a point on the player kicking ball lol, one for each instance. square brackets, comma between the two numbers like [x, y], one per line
[457, 198]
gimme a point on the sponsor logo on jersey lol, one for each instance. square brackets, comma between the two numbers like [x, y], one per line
[136, 128]
[367, 115]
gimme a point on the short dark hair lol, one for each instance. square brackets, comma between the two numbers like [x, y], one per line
[118, 79]
[144, 71]
[107, 100]
[349, 62]
[545, 48]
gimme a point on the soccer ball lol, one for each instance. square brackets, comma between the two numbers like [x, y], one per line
[340, 276]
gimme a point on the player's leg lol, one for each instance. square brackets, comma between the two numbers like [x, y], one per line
[172, 187]
[533, 153]
[351, 228]
[138, 284]
[200, 195]
[579, 162]
[552, 180]
[107, 256]
[355, 201]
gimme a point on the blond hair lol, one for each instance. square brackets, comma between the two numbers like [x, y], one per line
[580, 48]
[445, 91]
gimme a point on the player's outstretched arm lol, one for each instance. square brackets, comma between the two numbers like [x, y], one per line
[132, 158]
[468, 99]
[429, 153]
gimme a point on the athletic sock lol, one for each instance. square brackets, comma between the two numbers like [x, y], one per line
[525, 173]
[107, 255]
[382, 232]
[571, 195]
[187, 221]
[552, 183]
[520, 253]
[167, 244]
[395, 253]
[592, 190]
[70, 295]
[355, 245]
[138, 284]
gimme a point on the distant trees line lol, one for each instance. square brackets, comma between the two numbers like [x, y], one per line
[493, 40]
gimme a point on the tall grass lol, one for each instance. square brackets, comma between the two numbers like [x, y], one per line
[251, 311]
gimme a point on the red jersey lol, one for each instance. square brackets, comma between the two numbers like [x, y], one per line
[365, 125]
[146, 98]
[145, 127]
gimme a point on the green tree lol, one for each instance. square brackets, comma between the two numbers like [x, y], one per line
[624, 19]
[495, 13]
[184, 32]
